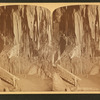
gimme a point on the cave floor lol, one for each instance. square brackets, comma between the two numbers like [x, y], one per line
[33, 83]
[89, 83]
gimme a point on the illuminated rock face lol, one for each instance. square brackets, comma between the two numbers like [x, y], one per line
[25, 33]
[81, 24]
[30, 32]
[79, 27]
[27, 27]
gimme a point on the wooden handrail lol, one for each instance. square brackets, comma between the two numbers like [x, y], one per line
[9, 73]
[68, 72]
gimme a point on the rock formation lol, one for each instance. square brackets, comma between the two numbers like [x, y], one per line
[81, 26]
[29, 36]
[25, 35]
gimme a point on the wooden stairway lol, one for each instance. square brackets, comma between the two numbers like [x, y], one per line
[8, 77]
[67, 76]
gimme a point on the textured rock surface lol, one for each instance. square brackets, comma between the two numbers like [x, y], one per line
[27, 37]
[95, 70]
[81, 24]
[81, 27]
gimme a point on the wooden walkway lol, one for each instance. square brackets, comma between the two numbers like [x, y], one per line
[8, 77]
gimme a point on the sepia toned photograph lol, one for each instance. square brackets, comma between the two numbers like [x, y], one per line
[49, 51]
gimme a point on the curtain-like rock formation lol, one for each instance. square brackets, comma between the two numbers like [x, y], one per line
[81, 26]
[30, 36]
[27, 31]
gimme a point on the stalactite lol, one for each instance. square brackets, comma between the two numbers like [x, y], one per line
[17, 28]
[78, 29]
[92, 18]
[49, 34]
[99, 15]
[30, 12]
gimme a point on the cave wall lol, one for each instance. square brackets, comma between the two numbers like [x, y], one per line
[25, 38]
[79, 27]
[81, 24]
[26, 27]
[28, 37]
